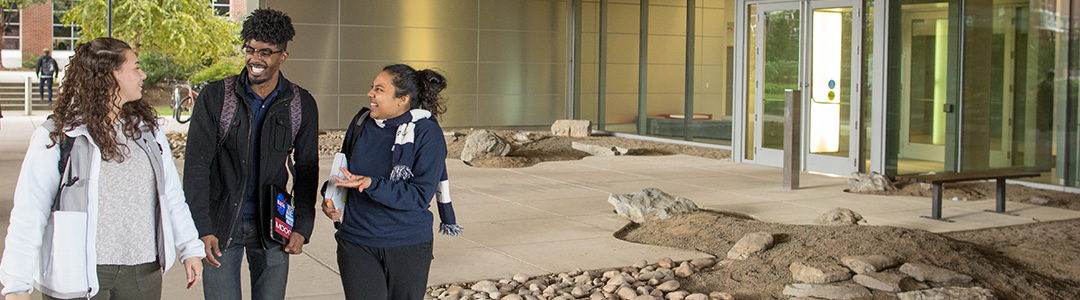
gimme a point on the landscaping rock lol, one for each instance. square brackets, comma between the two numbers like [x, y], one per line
[924, 272]
[869, 182]
[703, 262]
[826, 291]
[818, 273]
[750, 244]
[650, 204]
[684, 270]
[597, 150]
[721, 296]
[888, 282]
[575, 128]
[869, 263]
[484, 144]
[665, 262]
[839, 216]
[949, 293]
[485, 286]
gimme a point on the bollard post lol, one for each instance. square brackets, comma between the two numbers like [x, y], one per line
[26, 93]
[792, 129]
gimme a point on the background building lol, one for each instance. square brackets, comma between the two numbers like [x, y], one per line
[892, 86]
[38, 27]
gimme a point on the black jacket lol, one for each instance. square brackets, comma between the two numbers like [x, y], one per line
[216, 174]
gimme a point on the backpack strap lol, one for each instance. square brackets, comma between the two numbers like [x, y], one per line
[295, 111]
[228, 108]
[355, 127]
[62, 165]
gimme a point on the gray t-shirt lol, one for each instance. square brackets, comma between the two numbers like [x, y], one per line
[127, 209]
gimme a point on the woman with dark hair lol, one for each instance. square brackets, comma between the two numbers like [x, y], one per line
[110, 204]
[397, 164]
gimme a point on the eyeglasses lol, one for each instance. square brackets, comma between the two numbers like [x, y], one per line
[264, 52]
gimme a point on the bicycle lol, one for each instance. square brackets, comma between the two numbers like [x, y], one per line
[183, 99]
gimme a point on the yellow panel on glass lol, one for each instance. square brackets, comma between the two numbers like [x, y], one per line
[826, 84]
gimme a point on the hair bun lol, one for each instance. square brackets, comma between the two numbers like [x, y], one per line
[433, 79]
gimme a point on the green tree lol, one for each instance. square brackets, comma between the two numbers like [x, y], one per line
[186, 32]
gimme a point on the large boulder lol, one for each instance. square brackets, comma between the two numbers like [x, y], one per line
[650, 204]
[870, 182]
[484, 144]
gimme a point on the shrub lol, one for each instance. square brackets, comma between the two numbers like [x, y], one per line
[30, 61]
[221, 68]
[159, 67]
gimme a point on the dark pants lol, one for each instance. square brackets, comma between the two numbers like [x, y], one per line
[127, 282]
[384, 273]
[269, 268]
[45, 82]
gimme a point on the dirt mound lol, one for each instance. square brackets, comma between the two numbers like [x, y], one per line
[764, 276]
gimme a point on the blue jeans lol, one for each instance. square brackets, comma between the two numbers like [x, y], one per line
[45, 82]
[269, 268]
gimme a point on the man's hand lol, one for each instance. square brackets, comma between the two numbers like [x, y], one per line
[296, 244]
[212, 251]
[18, 297]
[194, 271]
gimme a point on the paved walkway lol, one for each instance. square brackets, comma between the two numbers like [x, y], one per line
[554, 217]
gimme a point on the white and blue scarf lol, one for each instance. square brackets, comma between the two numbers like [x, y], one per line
[404, 155]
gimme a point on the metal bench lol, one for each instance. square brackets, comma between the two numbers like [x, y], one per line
[939, 179]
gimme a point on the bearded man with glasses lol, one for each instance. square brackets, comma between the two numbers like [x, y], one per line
[248, 135]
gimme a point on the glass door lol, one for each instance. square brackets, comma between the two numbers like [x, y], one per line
[924, 73]
[812, 46]
[831, 140]
[778, 64]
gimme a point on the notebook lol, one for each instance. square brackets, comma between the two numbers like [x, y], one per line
[337, 194]
[281, 221]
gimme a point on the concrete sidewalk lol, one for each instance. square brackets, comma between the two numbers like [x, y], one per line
[554, 217]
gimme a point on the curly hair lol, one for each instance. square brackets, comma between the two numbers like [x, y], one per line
[270, 26]
[423, 87]
[89, 97]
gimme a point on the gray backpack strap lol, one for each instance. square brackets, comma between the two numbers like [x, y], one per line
[228, 108]
[63, 165]
[295, 111]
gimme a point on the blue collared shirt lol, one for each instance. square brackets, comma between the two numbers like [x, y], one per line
[259, 107]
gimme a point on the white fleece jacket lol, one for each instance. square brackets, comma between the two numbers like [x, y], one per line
[34, 193]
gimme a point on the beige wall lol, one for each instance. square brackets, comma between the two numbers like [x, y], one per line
[667, 58]
[505, 60]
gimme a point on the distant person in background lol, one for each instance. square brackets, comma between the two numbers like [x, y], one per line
[46, 70]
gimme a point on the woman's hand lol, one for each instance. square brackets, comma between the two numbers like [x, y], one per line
[193, 266]
[330, 211]
[18, 297]
[358, 182]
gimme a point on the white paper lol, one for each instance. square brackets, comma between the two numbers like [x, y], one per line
[337, 194]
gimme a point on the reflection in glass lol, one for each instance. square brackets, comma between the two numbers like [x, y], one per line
[781, 72]
[751, 76]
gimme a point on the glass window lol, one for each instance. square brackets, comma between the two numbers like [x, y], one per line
[11, 28]
[221, 7]
[64, 35]
[1017, 103]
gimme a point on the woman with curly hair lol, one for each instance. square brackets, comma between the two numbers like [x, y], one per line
[114, 212]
